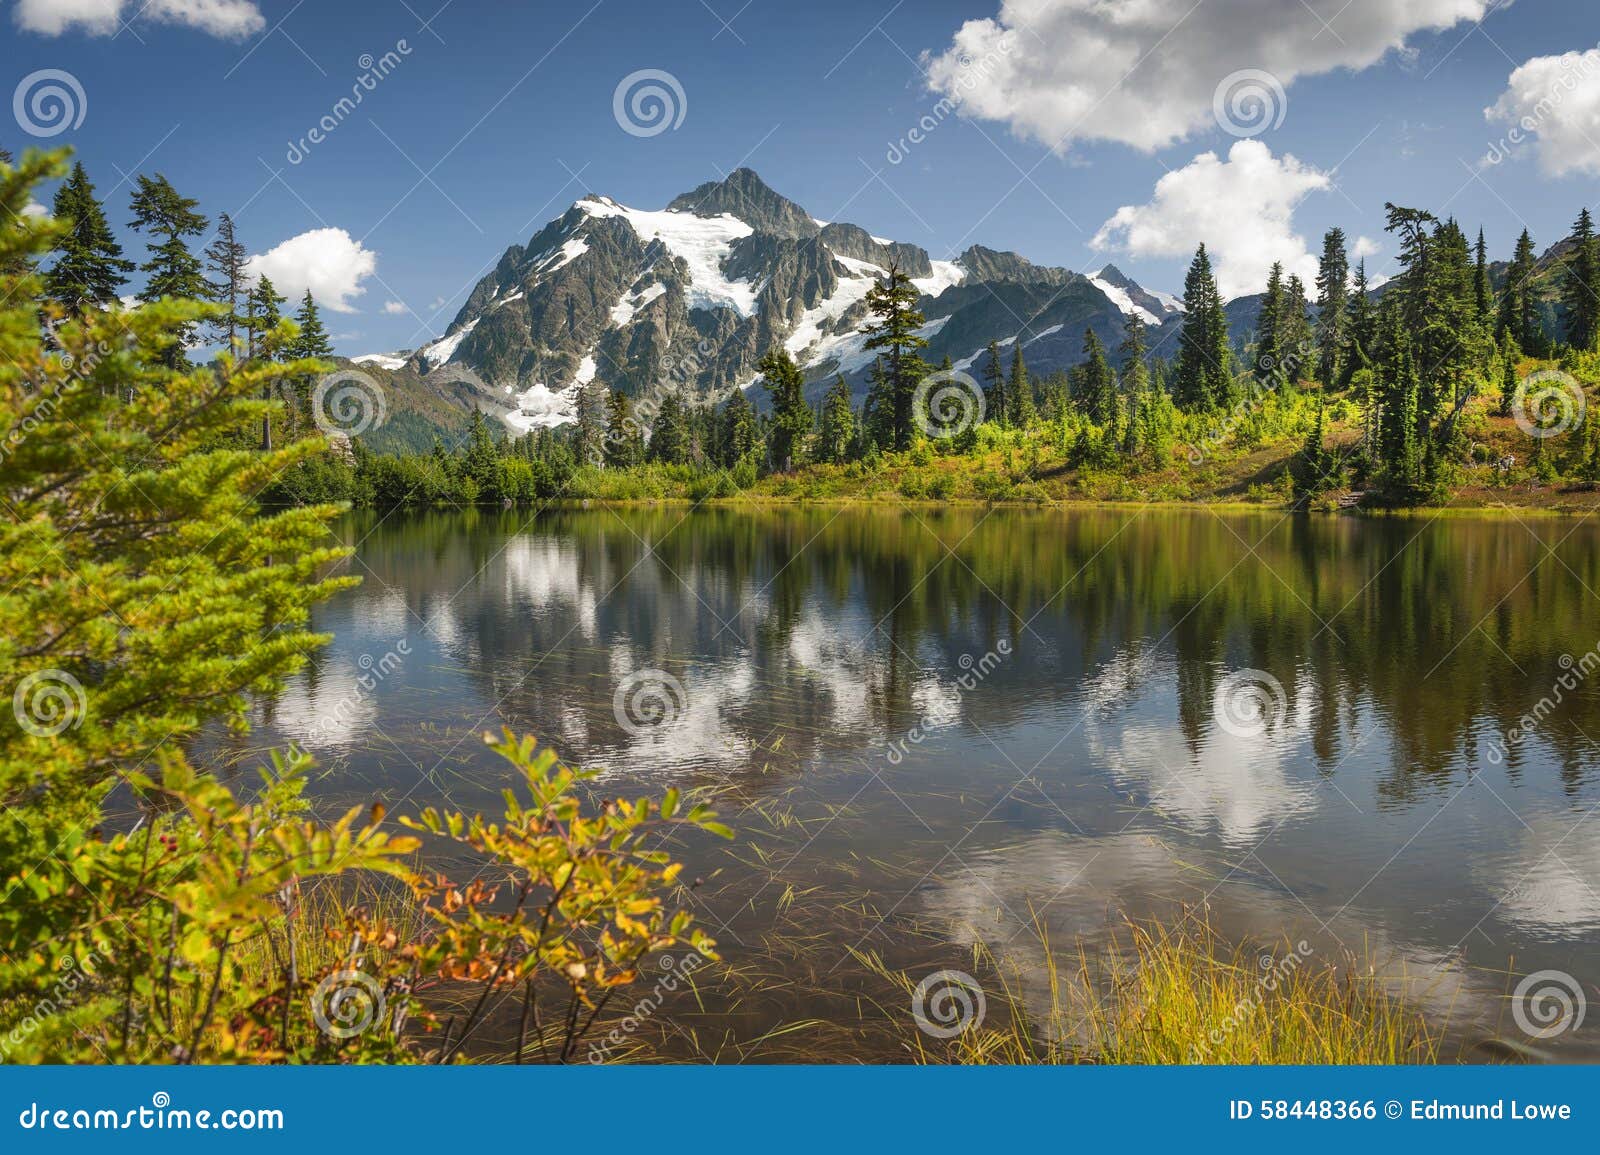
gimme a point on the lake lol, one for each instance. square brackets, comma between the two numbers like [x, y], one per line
[933, 727]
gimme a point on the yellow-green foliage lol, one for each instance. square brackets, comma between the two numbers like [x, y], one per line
[144, 594]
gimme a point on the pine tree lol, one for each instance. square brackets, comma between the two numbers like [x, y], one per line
[1333, 311]
[994, 376]
[1483, 296]
[1399, 447]
[1580, 287]
[1361, 340]
[1519, 313]
[262, 319]
[1202, 380]
[226, 258]
[172, 270]
[624, 441]
[669, 442]
[791, 417]
[89, 268]
[1097, 385]
[740, 433]
[312, 339]
[837, 427]
[1295, 339]
[893, 335]
[1019, 391]
[590, 445]
[1135, 386]
[480, 462]
[1269, 351]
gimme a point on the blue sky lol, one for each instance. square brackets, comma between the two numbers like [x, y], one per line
[497, 116]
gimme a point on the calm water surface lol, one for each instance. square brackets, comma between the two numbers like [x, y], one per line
[933, 728]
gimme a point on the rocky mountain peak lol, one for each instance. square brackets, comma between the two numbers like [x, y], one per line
[743, 194]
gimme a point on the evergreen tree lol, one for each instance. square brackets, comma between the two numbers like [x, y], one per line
[994, 376]
[262, 319]
[172, 270]
[480, 463]
[1269, 351]
[312, 339]
[740, 434]
[590, 445]
[1097, 385]
[1483, 296]
[1294, 332]
[1135, 386]
[791, 417]
[837, 426]
[1580, 287]
[89, 268]
[1019, 391]
[1361, 341]
[1202, 380]
[226, 258]
[1333, 312]
[669, 442]
[1400, 452]
[1519, 312]
[624, 441]
[893, 335]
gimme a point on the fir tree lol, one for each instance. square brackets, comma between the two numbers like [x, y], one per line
[892, 334]
[1202, 380]
[1135, 386]
[1097, 385]
[740, 434]
[89, 268]
[480, 462]
[1580, 287]
[624, 441]
[1019, 391]
[226, 258]
[1361, 340]
[591, 424]
[262, 320]
[669, 443]
[1269, 351]
[994, 376]
[791, 418]
[1519, 313]
[1294, 332]
[312, 339]
[1483, 296]
[172, 270]
[1333, 312]
[837, 426]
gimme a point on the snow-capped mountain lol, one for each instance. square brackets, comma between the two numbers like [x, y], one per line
[692, 295]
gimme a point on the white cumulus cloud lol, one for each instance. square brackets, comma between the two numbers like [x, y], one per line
[1555, 100]
[329, 262]
[395, 308]
[1241, 208]
[1144, 72]
[227, 18]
